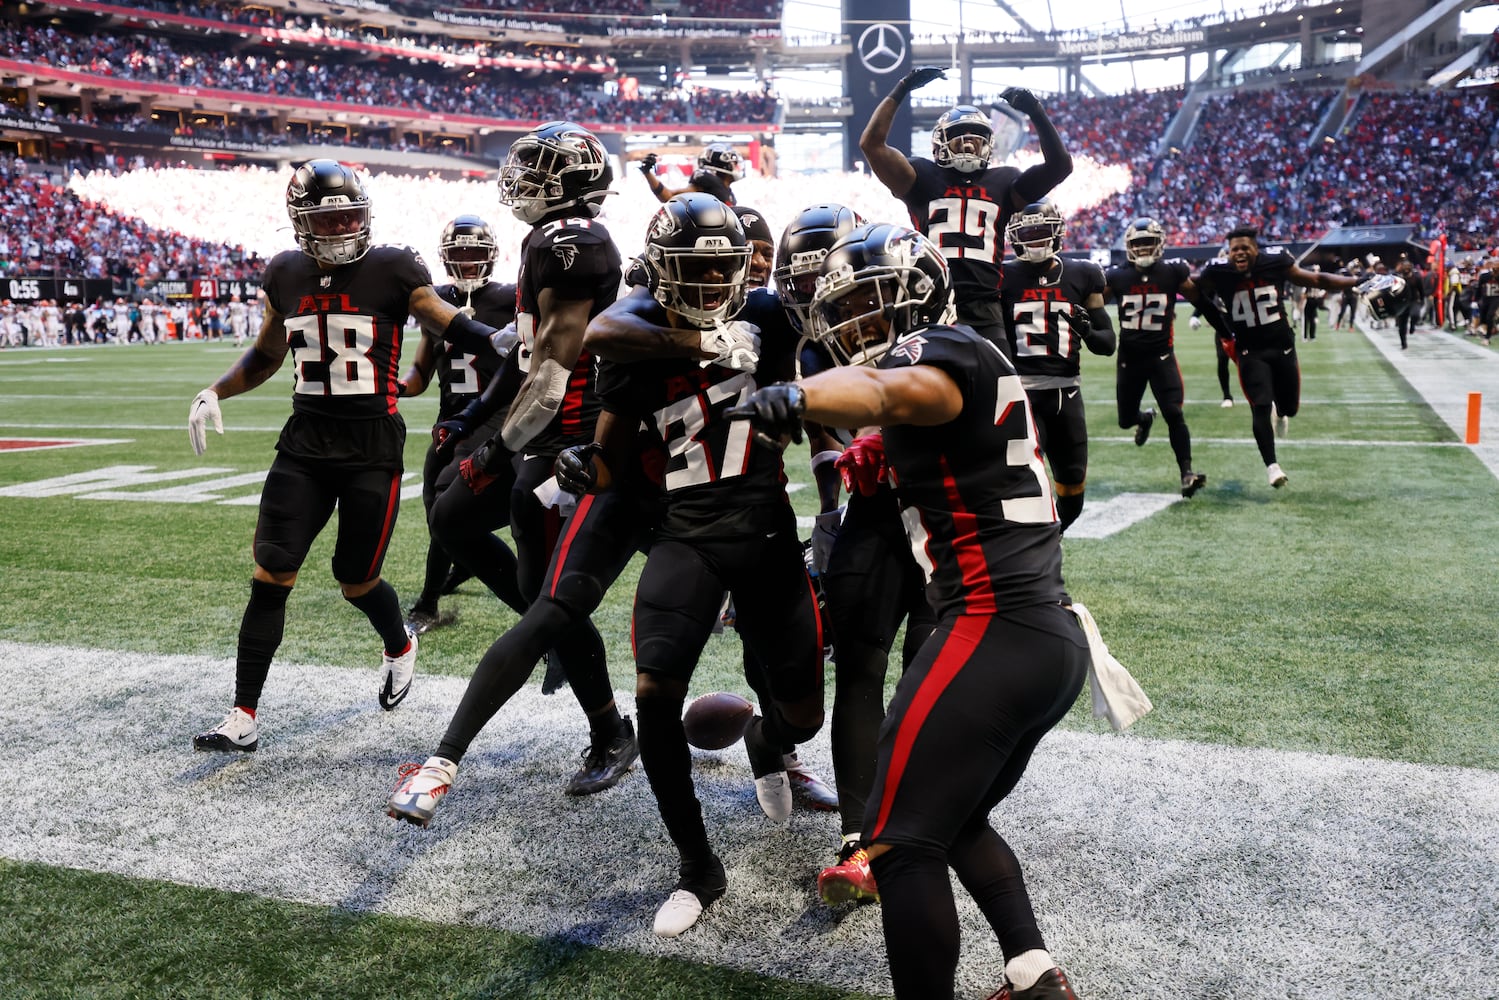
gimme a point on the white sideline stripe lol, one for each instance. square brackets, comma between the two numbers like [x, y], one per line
[1159, 868]
[1101, 519]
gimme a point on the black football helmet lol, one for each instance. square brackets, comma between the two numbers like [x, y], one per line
[879, 282]
[721, 159]
[804, 244]
[965, 119]
[330, 212]
[1036, 232]
[1144, 242]
[554, 166]
[469, 251]
[697, 259]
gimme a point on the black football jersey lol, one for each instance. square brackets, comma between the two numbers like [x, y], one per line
[577, 260]
[1147, 303]
[717, 480]
[965, 215]
[1036, 301]
[1252, 304]
[344, 327]
[975, 496]
[1488, 285]
[462, 375]
[709, 182]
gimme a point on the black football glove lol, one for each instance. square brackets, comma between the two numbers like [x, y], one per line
[915, 80]
[574, 469]
[774, 411]
[1021, 100]
[1077, 317]
[648, 163]
[446, 434]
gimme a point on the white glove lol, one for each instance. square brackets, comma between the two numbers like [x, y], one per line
[504, 341]
[1195, 322]
[824, 533]
[205, 407]
[735, 345]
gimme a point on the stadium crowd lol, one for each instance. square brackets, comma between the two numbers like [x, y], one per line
[494, 94]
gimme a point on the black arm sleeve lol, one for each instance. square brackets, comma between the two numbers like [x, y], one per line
[469, 334]
[1211, 313]
[1038, 181]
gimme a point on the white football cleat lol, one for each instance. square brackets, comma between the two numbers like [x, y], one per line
[395, 675]
[806, 786]
[680, 911]
[773, 792]
[420, 789]
[237, 732]
[1277, 477]
[1228, 402]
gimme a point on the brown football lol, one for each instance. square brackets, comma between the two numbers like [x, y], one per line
[716, 720]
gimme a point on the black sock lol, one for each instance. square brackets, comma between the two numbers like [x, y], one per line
[668, 767]
[383, 608]
[259, 637]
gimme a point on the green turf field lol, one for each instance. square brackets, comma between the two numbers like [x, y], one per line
[1346, 614]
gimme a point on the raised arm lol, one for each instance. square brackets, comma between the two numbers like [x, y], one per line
[888, 163]
[1056, 165]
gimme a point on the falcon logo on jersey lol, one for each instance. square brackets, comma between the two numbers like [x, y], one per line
[326, 281]
[909, 348]
[566, 253]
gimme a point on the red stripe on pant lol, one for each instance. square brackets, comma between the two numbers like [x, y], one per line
[573, 524]
[392, 504]
[956, 650]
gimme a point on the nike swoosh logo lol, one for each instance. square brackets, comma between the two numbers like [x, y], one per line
[1288, 350]
[564, 237]
[1072, 394]
[1165, 356]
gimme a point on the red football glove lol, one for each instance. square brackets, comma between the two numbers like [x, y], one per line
[862, 465]
[477, 479]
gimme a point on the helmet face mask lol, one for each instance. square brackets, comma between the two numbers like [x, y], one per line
[329, 211]
[1036, 232]
[469, 251]
[878, 283]
[557, 165]
[963, 139]
[804, 244]
[1144, 242]
[698, 259]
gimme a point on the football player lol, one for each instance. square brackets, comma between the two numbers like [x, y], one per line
[1146, 288]
[1052, 307]
[869, 579]
[726, 523]
[761, 243]
[468, 249]
[554, 179]
[337, 306]
[957, 199]
[1486, 299]
[239, 318]
[718, 167]
[1007, 658]
[1247, 283]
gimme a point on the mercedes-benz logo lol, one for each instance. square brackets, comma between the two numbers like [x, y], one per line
[881, 48]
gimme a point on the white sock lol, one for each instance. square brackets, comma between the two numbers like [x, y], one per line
[852, 838]
[1024, 969]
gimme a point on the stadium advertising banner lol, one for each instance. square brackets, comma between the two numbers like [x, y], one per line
[880, 31]
[1143, 41]
[146, 139]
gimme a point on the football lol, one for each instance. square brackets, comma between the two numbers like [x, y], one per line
[716, 720]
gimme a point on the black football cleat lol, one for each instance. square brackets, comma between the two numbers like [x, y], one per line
[1192, 482]
[1052, 985]
[553, 680]
[1142, 429]
[604, 766]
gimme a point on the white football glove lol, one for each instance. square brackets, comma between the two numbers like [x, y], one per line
[504, 341]
[735, 345]
[205, 407]
[1195, 322]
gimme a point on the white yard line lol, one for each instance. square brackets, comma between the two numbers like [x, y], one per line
[1160, 868]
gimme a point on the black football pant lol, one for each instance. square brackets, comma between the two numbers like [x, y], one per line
[463, 524]
[1062, 432]
[499, 560]
[1160, 371]
[1269, 376]
[596, 544]
[965, 720]
[872, 583]
[676, 603]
